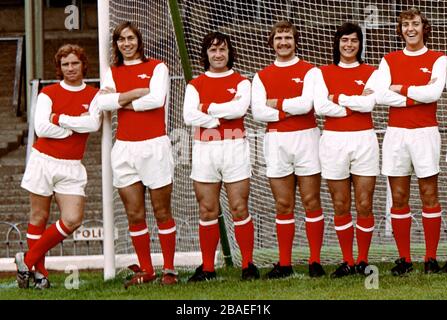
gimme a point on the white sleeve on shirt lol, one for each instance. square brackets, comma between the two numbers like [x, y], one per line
[191, 114]
[109, 101]
[431, 92]
[323, 106]
[233, 109]
[383, 94]
[42, 125]
[304, 103]
[83, 123]
[358, 102]
[158, 90]
[259, 108]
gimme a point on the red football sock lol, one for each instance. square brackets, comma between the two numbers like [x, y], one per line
[314, 232]
[244, 232]
[141, 242]
[401, 223]
[209, 235]
[431, 220]
[364, 233]
[55, 234]
[345, 235]
[33, 234]
[285, 231]
[166, 235]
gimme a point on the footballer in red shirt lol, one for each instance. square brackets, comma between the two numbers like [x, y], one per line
[215, 104]
[282, 97]
[136, 86]
[411, 82]
[349, 150]
[65, 114]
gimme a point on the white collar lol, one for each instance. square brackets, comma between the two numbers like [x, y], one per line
[348, 65]
[415, 53]
[219, 74]
[72, 88]
[287, 63]
[132, 62]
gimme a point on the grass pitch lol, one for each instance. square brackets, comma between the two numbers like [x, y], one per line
[228, 286]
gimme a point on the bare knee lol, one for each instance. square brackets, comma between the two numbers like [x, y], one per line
[162, 213]
[429, 198]
[284, 206]
[73, 222]
[311, 202]
[364, 207]
[239, 209]
[400, 199]
[39, 217]
[341, 206]
[135, 216]
[208, 211]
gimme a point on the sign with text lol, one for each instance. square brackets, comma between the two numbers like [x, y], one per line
[92, 233]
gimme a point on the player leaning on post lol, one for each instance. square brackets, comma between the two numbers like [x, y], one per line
[64, 115]
[282, 96]
[216, 103]
[349, 150]
[136, 86]
[411, 82]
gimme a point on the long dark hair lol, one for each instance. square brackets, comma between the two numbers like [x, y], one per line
[118, 59]
[208, 41]
[344, 29]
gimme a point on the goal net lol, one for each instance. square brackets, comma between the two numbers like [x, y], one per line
[248, 23]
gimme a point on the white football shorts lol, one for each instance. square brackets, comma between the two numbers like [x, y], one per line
[149, 161]
[45, 175]
[226, 160]
[343, 153]
[405, 150]
[292, 152]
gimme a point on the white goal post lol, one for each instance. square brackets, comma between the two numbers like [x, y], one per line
[106, 147]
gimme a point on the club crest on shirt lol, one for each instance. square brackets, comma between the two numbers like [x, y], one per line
[425, 70]
[298, 80]
[359, 82]
[143, 76]
[231, 90]
[85, 106]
